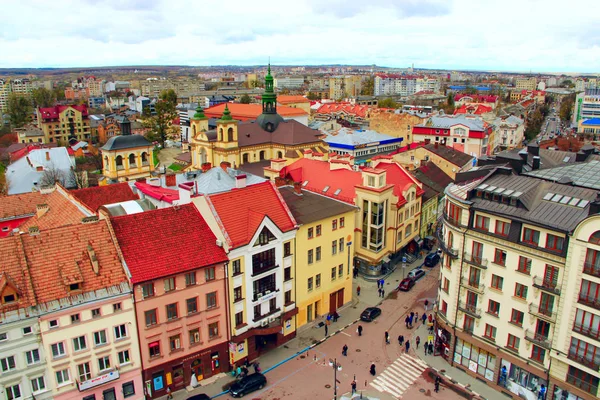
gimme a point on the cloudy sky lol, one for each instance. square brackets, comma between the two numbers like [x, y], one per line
[508, 35]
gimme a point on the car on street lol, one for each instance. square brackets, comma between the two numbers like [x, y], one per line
[406, 284]
[248, 384]
[200, 396]
[370, 313]
[416, 274]
[431, 260]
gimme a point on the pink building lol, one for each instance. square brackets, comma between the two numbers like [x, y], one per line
[177, 268]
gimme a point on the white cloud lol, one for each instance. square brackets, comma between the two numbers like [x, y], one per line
[454, 34]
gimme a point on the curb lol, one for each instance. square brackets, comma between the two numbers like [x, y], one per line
[454, 381]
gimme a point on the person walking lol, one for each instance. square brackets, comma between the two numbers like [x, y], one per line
[416, 317]
[359, 330]
[379, 292]
[426, 304]
[169, 394]
[437, 384]
[372, 370]
[387, 338]
[542, 393]
[353, 385]
[382, 283]
[326, 330]
[383, 293]
[358, 290]
[424, 318]
[418, 340]
[406, 320]
[401, 340]
[345, 350]
[431, 348]
[407, 345]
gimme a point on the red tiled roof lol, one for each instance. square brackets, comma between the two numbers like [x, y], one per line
[19, 204]
[58, 257]
[53, 112]
[95, 197]
[61, 211]
[158, 192]
[399, 177]
[13, 272]
[330, 108]
[473, 108]
[283, 99]
[247, 112]
[242, 210]
[166, 241]
[477, 98]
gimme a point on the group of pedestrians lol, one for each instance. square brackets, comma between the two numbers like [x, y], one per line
[408, 321]
[380, 288]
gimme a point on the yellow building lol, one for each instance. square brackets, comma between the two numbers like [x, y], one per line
[323, 252]
[31, 134]
[341, 87]
[62, 123]
[127, 157]
[526, 83]
[300, 102]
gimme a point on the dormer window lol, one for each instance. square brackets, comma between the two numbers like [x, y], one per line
[9, 298]
[74, 286]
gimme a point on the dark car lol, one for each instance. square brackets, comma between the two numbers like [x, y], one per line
[406, 284]
[431, 260]
[370, 314]
[200, 396]
[248, 384]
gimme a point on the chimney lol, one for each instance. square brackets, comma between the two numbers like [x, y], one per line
[89, 220]
[595, 205]
[533, 148]
[42, 209]
[225, 165]
[436, 145]
[185, 193]
[580, 156]
[34, 231]
[535, 163]
[93, 259]
[171, 180]
[298, 188]
[48, 156]
[240, 181]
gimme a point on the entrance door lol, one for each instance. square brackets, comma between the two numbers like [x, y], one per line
[178, 376]
[309, 313]
[215, 363]
[317, 308]
[332, 302]
[197, 369]
[340, 298]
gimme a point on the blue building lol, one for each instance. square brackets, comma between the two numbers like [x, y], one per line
[96, 102]
[361, 144]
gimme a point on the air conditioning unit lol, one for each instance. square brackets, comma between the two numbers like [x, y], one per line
[219, 243]
[264, 323]
[267, 292]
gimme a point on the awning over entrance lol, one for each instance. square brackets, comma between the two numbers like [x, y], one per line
[418, 240]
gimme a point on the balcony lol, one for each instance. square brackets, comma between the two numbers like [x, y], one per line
[477, 261]
[470, 309]
[587, 331]
[259, 294]
[446, 249]
[263, 316]
[591, 301]
[585, 361]
[584, 385]
[591, 269]
[453, 221]
[261, 268]
[538, 339]
[543, 313]
[546, 285]
[473, 285]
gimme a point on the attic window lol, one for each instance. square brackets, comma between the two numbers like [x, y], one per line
[9, 298]
[74, 286]
[325, 189]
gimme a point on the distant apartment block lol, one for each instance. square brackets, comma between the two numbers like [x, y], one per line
[289, 82]
[18, 86]
[526, 83]
[152, 87]
[587, 105]
[341, 87]
[403, 85]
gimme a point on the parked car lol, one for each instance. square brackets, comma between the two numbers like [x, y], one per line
[248, 384]
[406, 284]
[370, 314]
[431, 260]
[416, 274]
[200, 396]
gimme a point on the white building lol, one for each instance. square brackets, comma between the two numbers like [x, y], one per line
[509, 132]
[289, 82]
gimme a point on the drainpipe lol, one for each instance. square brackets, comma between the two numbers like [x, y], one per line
[458, 297]
[228, 316]
[295, 286]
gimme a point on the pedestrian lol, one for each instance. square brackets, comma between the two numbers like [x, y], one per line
[353, 385]
[387, 338]
[418, 340]
[358, 290]
[382, 283]
[406, 320]
[335, 316]
[401, 340]
[345, 350]
[431, 348]
[372, 369]
[169, 395]
[542, 393]
[410, 320]
[426, 304]
[379, 292]
[244, 371]
[416, 317]
[430, 318]
[424, 318]
[326, 330]
[412, 314]
[383, 293]
[329, 318]
[359, 330]
[437, 384]
[407, 345]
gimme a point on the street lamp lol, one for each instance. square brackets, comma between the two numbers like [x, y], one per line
[335, 366]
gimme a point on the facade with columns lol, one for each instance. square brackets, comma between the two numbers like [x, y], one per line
[127, 157]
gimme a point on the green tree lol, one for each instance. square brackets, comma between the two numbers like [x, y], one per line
[20, 110]
[368, 86]
[471, 90]
[387, 103]
[245, 99]
[450, 106]
[43, 97]
[158, 125]
[169, 96]
[313, 96]
[566, 108]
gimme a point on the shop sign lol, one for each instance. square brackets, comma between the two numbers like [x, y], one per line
[100, 380]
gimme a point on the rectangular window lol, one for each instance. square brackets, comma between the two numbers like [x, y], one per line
[531, 236]
[310, 284]
[239, 318]
[84, 371]
[53, 323]
[446, 285]
[516, 317]
[334, 225]
[236, 267]
[172, 311]
[13, 392]
[103, 363]
[310, 256]
[26, 331]
[538, 354]
[342, 222]
[154, 349]
[8, 364]
[546, 304]
[75, 318]
[477, 255]
[311, 233]
[334, 247]
[151, 318]
[318, 254]
[500, 257]
[490, 332]
[333, 273]
[444, 307]
[148, 289]
[497, 282]
[288, 297]
[38, 384]
[341, 244]
[175, 342]
[63, 377]
[502, 228]
[209, 274]
[213, 330]
[116, 307]
[493, 307]
[190, 278]
[513, 342]
[123, 357]
[520, 291]
[318, 230]
[550, 276]
[211, 300]
[237, 294]
[128, 389]
[32, 356]
[469, 324]
[554, 243]
[524, 265]
[169, 284]
[194, 336]
[318, 281]
[340, 270]
[482, 223]
[287, 249]
[58, 349]
[192, 305]
[120, 332]
[79, 343]
[96, 313]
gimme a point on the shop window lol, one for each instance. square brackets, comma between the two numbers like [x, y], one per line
[128, 389]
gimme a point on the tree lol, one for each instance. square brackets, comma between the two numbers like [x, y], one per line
[449, 107]
[169, 96]
[43, 97]
[20, 110]
[566, 108]
[53, 175]
[313, 96]
[245, 99]
[368, 86]
[387, 103]
[158, 125]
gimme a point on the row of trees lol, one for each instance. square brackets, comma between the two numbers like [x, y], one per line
[566, 107]
[20, 108]
[534, 121]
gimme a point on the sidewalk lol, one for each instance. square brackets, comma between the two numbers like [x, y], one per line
[310, 334]
[438, 363]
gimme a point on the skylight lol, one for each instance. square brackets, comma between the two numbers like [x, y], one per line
[583, 203]
[325, 189]
[574, 201]
[556, 198]
[337, 191]
[548, 196]
[565, 200]
[566, 159]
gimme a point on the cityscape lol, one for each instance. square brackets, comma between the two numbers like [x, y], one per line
[286, 207]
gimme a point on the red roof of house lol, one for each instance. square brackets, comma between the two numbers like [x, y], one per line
[358, 110]
[248, 112]
[95, 197]
[61, 211]
[53, 112]
[241, 211]
[477, 98]
[399, 177]
[19, 204]
[282, 99]
[158, 192]
[13, 272]
[166, 241]
[473, 108]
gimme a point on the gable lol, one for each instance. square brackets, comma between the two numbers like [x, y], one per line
[9, 292]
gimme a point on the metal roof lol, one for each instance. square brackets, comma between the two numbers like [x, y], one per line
[584, 174]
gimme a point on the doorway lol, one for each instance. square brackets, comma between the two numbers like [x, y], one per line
[215, 363]
[317, 308]
[265, 342]
[178, 376]
[309, 313]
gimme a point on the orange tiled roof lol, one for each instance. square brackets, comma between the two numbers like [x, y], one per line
[95, 197]
[282, 99]
[14, 273]
[357, 110]
[61, 211]
[19, 204]
[246, 112]
[61, 256]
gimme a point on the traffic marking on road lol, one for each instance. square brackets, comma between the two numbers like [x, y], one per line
[398, 377]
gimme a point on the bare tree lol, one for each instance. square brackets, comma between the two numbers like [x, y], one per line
[81, 179]
[51, 176]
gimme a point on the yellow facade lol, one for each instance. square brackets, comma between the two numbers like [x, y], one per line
[429, 216]
[329, 276]
[70, 122]
[126, 164]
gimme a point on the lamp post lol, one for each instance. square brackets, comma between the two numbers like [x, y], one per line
[335, 380]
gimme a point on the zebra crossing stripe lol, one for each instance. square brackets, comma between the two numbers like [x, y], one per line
[408, 369]
[417, 360]
[388, 387]
[407, 375]
[399, 376]
[402, 381]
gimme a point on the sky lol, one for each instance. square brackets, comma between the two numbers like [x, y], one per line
[507, 35]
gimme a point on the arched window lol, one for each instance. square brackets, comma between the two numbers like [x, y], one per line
[244, 158]
[220, 138]
[262, 155]
[595, 238]
[144, 158]
[230, 135]
[132, 160]
[279, 154]
[119, 162]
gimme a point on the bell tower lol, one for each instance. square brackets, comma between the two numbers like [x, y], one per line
[269, 119]
[227, 130]
[199, 122]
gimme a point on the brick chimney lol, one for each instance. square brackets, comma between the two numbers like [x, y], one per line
[298, 188]
[225, 165]
[240, 181]
[47, 155]
[186, 190]
[171, 180]
[41, 209]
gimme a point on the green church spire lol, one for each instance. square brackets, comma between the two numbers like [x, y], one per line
[226, 114]
[199, 113]
[269, 98]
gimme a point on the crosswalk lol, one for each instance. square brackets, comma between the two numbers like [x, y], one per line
[398, 377]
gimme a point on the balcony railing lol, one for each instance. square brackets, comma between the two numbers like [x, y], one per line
[442, 244]
[546, 314]
[263, 316]
[264, 290]
[591, 301]
[587, 331]
[472, 284]
[546, 284]
[583, 360]
[475, 260]
[582, 384]
[470, 309]
[591, 269]
[262, 268]
[453, 221]
[536, 338]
